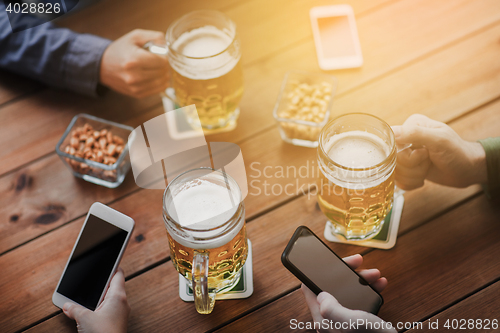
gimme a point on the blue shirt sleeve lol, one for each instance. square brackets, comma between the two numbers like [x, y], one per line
[55, 56]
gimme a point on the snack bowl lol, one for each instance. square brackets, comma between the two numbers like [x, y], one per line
[303, 106]
[96, 150]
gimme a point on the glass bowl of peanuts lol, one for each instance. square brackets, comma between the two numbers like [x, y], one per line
[96, 150]
[303, 106]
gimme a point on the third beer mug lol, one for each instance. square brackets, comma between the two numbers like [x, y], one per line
[204, 52]
[357, 158]
[204, 215]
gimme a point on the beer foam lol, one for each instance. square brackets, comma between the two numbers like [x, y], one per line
[202, 42]
[202, 202]
[357, 149]
[204, 205]
[207, 41]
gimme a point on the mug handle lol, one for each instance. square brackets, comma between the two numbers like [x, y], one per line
[161, 50]
[203, 300]
[156, 48]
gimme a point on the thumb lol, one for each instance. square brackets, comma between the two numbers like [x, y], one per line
[331, 309]
[75, 311]
[117, 286]
[141, 37]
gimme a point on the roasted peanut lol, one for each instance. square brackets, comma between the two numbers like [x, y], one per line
[74, 142]
[117, 140]
[95, 145]
[103, 142]
[111, 149]
[89, 142]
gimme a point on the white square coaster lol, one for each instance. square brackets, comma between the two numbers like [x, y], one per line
[386, 238]
[243, 289]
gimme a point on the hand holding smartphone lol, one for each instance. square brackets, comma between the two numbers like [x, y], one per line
[94, 258]
[320, 269]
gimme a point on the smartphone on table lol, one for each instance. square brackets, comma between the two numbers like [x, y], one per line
[336, 37]
[94, 258]
[320, 269]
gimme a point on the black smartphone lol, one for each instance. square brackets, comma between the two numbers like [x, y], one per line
[320, 269]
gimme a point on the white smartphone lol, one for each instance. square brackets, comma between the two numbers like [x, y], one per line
[94, 258]
[336, 37]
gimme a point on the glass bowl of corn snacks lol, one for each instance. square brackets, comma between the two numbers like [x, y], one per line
[96, 150]
[303, 106]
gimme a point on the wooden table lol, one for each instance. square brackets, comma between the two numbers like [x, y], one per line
[438, 58]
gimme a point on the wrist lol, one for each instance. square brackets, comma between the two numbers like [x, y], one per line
[103, 68]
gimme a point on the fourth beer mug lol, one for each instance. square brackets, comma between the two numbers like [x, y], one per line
[357, 158]
[204, 215]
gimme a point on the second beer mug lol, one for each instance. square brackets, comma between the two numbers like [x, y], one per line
[204, 52]
[205, 219]
[357, 158]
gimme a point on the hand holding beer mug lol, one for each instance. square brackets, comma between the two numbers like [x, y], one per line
[357, 157]
[204, 215]
[203, 50]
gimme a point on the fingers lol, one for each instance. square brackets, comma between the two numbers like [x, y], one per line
[141, 37]
[330, 308]
[412, 168]
[141, 75]
[149, 88]
[380, 284]
[143, 59]
[419, 130]
[412, 157]
[354, 261]
[75, 311]
[372, 276]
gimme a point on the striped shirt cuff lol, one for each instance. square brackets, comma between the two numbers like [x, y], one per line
[82, 63]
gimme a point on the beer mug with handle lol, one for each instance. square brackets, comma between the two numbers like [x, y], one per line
[357, 158]
[204, 215]
[204, 53]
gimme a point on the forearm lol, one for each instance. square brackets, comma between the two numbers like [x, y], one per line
[55, 56]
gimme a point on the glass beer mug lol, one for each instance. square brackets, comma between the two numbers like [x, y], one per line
[204, 53]
[205, 220]
[357, 158]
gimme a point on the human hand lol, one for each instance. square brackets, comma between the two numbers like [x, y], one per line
[438, 154]
[131, 70]
[111, 316]
[325, 306]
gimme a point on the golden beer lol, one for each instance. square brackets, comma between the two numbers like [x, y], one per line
[205, 58]
[205, 220]
[226, 261]
[357, 158]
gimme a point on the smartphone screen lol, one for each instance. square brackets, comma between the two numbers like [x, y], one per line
[325, 271]
[336, 37]
[92, 262]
